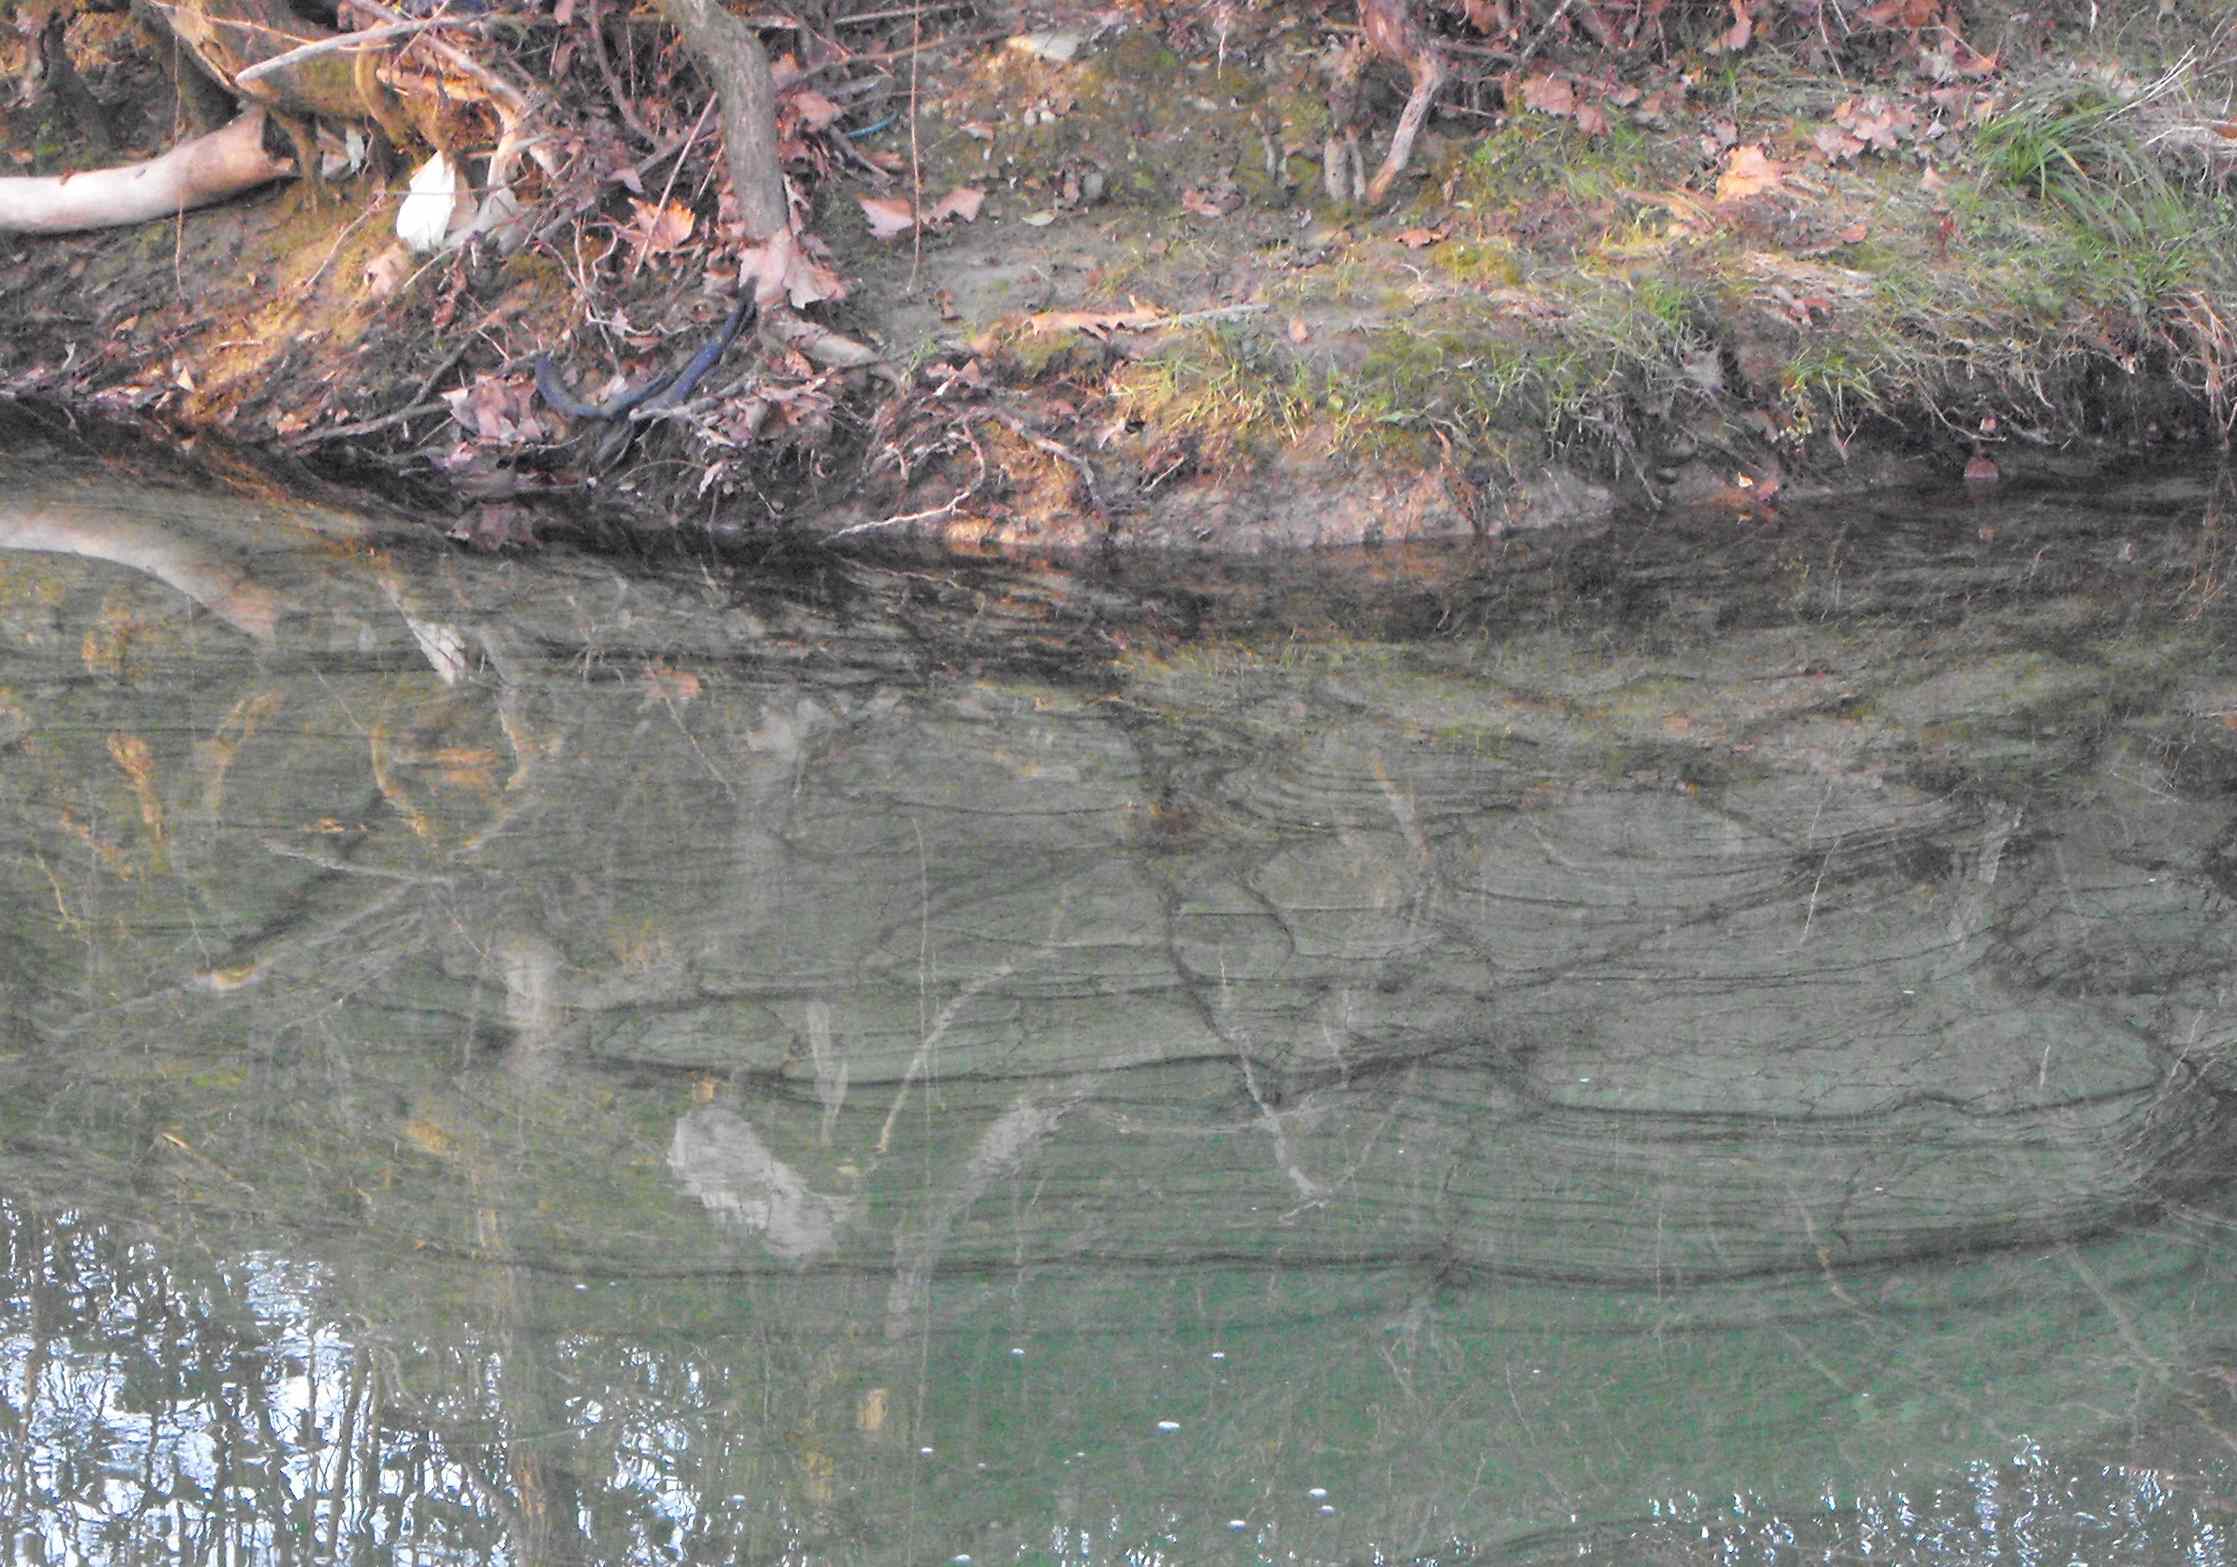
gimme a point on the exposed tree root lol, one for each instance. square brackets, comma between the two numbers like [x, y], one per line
[1396, 33]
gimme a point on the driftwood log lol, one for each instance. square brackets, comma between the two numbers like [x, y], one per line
[195, 173]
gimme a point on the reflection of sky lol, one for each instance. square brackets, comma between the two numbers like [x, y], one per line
[148, 1416]
[156, 1421]
[179, 1423]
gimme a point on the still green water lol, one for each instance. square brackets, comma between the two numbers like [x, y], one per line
[1694, 1042]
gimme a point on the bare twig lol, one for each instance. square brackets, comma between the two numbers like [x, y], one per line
[1056, 449]
[605, 63]
[310, 438]
[1536, 42]
[916, 161]
[904, 10]
[1218, 313]
[929, 46]
[363, 39]
[954, 501]
[502, 91]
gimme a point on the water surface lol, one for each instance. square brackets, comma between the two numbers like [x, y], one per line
[1700, 1041]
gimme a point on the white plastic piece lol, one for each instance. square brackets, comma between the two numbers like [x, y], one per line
[423, 219]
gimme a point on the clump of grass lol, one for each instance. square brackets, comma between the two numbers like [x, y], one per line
[2123, 222]
[2135, 260]
[2059, 138]
[1220, 385]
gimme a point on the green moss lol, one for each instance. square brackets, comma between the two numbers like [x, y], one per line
[1534, 155]
[1037, 354]
[1492, 263]
[1302, 115]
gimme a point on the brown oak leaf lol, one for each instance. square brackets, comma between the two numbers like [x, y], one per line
[1748, 171]
[888, 215]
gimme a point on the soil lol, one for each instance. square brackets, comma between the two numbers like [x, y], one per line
[1610, 279]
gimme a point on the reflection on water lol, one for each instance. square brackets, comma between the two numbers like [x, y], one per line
[1693, 1043]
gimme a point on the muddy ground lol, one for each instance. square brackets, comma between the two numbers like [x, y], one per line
[1995, 243]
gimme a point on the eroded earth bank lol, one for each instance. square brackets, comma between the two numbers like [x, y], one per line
[1639, 255]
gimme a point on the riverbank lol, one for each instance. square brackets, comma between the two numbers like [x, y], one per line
[1608, 281]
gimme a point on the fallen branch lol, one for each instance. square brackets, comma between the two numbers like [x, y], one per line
[195, 173]
[1141, 318]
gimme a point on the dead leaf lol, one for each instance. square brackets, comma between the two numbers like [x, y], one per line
[1096, 323]
[1657, 106]
[812, 107]
[1200, 202]
[1880, 124]
[1982, 469]
[1415, 239]
[498, 410]
[1909, 14]
[962, 202]
[1836, 145]
[1748, 172]
[1299, 332]
[781, 268]
[1739, 33]
[386, 272]
[658, 229]
[1549, 94]
[888, 215]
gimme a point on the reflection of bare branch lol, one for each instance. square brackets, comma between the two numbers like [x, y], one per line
[246, 970]
[201, 571]
[533, 1008]
[831, 1068]
[341, 867]
[932, 1037]
[1002, 1149]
